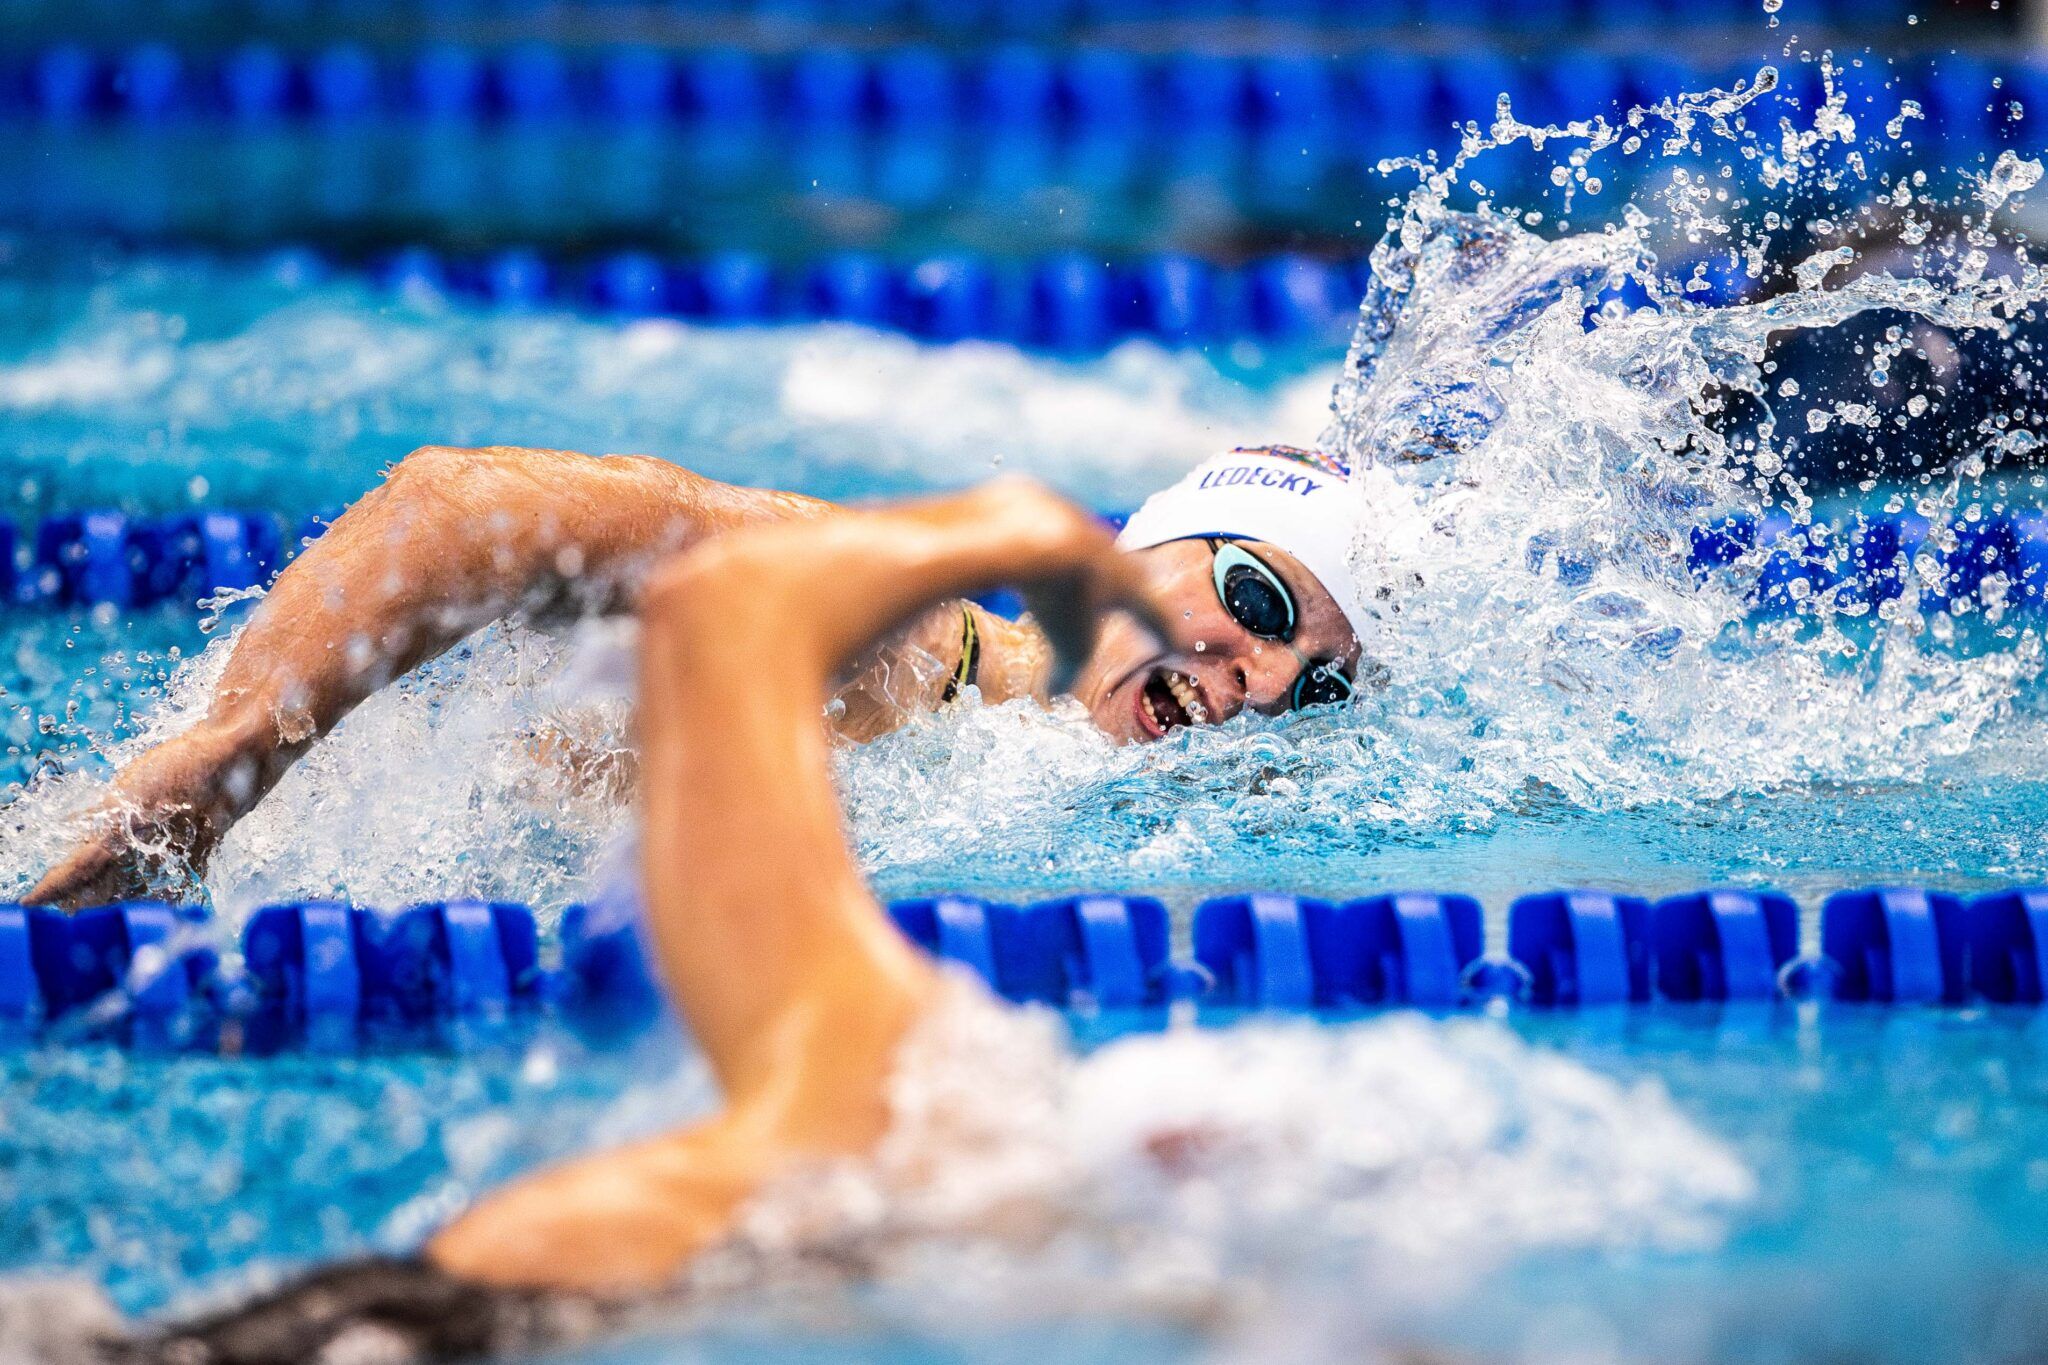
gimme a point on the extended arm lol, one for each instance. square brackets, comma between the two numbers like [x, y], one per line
[791, 978]
[452, 540]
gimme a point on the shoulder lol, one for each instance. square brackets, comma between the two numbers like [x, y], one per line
[1015, 659]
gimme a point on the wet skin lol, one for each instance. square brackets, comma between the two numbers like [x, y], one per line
[454, 539]
[1134, 694]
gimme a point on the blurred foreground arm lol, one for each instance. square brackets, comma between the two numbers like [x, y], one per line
[450, 541]
[792, 980]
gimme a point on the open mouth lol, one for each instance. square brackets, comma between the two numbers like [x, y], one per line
[1170, 701]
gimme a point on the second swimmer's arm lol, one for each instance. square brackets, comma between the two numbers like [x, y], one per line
[792, 980]
[451, 540]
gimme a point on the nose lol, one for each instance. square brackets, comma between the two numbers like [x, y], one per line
[1266, 673]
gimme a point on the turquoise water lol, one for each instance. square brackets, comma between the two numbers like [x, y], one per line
[1900, 1160]
[1624, 732]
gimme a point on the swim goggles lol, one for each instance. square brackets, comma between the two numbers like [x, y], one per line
[1258, 600]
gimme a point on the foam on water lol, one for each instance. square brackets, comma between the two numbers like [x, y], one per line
[1398, 1161]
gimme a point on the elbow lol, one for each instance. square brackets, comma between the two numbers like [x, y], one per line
[453, 471]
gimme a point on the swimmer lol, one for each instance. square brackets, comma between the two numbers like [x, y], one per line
[793, 983]
[1248, 551]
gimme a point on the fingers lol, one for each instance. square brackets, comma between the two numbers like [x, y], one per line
[98, 873]
[1125, 587]
[1065, 608]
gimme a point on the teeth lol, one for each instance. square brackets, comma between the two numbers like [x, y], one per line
[1184, 693]
[1151, 711]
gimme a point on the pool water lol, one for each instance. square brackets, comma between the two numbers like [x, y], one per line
[1900, 1187]
[1563, 703]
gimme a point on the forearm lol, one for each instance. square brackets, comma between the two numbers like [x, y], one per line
[451, 541]
[792, 981]
[744, 857]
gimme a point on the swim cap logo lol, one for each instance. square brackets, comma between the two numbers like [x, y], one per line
[1232, 476]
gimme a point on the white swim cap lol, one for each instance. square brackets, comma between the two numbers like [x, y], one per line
[1295, 499]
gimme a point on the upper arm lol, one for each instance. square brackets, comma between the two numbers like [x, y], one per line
[548, 523]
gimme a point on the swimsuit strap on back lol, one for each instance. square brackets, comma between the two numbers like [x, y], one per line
[969, 666]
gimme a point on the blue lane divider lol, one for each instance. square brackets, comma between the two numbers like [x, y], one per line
[1066, 302]
[460, 959]
[1347, 100]
[1898, 945]
[305, 965]
[1261, 950]
[106, 557]
[1722, 945]
[322, 975]
[2008, 946]
[955, 928]
[1582, 947]
[1414, 947]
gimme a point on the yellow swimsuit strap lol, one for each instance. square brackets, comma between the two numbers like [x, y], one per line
[970, 655]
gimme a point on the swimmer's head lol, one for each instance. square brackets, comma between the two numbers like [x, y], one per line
[1250, 550]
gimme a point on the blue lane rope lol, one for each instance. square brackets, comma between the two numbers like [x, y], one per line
[1363, 97]
[1066, 301]
[319, 974]
[108, 558]
[1327, 20]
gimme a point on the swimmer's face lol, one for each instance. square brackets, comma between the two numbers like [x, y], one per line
[1137, 694]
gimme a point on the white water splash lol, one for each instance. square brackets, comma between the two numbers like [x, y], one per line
[1403, 1159]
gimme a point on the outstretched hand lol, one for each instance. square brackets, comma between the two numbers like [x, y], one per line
[165, 813]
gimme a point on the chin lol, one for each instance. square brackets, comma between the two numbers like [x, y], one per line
[1113, 716]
